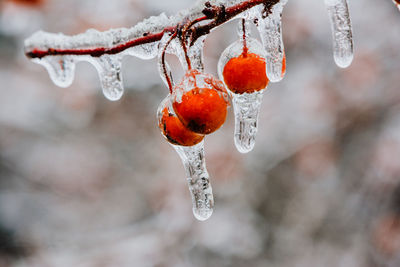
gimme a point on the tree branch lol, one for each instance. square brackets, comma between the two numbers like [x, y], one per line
[115, 41]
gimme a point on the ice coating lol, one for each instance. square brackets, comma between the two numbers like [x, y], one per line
[109, 70]
[101, 48]
[196, 54]
[94, 39]
[246, 106]
[198, 179]
[61, 69]
[145, 51]
[339, 16]
[270, 29]
[163, 67]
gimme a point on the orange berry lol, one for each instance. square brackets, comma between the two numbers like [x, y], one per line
[245, 74]
[177, 134]
[283, 65]
[202, 110]
[200, 102]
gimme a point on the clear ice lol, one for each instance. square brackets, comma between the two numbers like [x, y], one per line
[109, 69]
[195, 168]
[61, 69]
[270, 29]
[339, 16]
[198, 179]
[246, 106]
[192, 156]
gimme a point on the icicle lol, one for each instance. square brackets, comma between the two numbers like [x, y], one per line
[192, 157]
[270, 30]
[246, 106]
[198, 179]
[196, 54]
[61, 69]
[109, 69]
[339, 16]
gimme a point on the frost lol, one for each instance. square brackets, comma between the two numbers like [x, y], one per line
[339, 16]
[270, 29]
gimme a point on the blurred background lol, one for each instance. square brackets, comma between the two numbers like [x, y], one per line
[92, 183]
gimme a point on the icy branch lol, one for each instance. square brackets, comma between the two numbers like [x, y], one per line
[94, 43]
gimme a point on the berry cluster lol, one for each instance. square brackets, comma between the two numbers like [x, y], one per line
[197, 106]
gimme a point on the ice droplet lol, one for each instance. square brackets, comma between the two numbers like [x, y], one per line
[198, 179]
[109, 69]
[339, 16]
[246, 106]
[61, 69]
[270, 29]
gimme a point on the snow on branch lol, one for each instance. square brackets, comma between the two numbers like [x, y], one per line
[114, 41]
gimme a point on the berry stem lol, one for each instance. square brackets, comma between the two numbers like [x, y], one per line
[245, 49]
[183, 42]
[163, 62]
[184, 38]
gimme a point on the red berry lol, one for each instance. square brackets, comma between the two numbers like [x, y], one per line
[173, 129]
[201, 102]
[283, 65]
[245, 73]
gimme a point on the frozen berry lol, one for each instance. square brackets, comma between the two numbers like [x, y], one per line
[245, 74]
[173, 129]
[201, 102]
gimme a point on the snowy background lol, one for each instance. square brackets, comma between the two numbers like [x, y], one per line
[91, 183]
